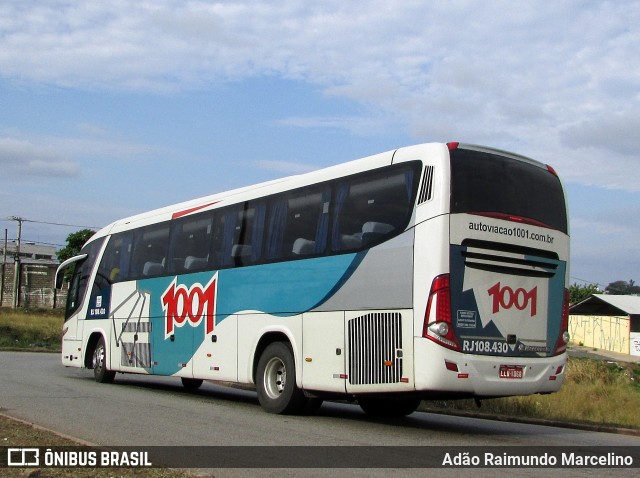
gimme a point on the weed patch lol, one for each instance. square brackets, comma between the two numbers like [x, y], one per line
[30, 330]
[594, 391]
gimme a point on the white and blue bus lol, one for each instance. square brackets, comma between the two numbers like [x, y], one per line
[431, 271]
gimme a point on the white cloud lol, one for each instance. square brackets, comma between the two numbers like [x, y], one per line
[354, 124]
[605, 228]
[22, 158]
[616, 131]
[555, 81]
[62, 156]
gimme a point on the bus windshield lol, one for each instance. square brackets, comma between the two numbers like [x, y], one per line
[502, 187]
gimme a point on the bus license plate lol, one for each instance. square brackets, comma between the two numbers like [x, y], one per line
[510, 371]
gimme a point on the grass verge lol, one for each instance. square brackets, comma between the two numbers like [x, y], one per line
[30, 330]
[14, 433]
[594, 392]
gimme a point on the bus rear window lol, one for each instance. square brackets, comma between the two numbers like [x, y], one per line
[486, 183]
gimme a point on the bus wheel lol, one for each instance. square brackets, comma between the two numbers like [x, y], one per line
[191, 383]
[100, 371]
[389, 406]
[276, 381]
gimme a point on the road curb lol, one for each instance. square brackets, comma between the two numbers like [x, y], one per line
[79, 441]
[539, 421]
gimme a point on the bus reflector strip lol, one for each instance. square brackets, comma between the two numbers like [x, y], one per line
[453, 367]
[557, 372]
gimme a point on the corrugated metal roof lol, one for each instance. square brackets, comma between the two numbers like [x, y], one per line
[605, 304]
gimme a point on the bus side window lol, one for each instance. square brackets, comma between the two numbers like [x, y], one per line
[149, 255]
[190, 244]
[298, 224]
[80, 277]
[372, 208]
[242, 230]
[114, 265]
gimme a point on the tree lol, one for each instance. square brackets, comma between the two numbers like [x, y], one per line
[75, 241]
[577, 293]
[621, 287]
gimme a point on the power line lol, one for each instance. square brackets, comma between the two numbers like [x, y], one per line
[29, 241]
[589, 282]
[59, 224]
[22, 219]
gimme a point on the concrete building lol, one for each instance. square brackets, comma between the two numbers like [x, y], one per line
[607, 322]
[37, 268]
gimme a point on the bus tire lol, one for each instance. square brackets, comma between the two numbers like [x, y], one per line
[191, 383]
[276, 381]
[389, 406]
[100, 371]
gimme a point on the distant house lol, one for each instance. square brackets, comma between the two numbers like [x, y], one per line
[607, 322]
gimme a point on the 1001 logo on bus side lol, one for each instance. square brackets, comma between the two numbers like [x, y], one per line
[194, 303]
[506, 298]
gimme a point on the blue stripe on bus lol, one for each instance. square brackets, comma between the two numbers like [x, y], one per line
[280, 289]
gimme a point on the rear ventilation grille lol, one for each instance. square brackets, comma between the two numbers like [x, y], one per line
[426, 188]
[509, 259]
[375, 348]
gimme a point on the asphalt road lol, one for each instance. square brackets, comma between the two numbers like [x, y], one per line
[157, 411]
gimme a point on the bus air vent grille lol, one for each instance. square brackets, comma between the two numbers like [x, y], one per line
[136, 327]
[426, 188]
[135, 355]
[375, 348]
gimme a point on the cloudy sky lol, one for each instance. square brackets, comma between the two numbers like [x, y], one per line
[112, 108]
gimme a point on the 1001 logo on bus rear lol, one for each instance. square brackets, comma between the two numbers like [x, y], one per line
[504, 297]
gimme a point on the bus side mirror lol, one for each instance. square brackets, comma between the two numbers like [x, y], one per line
[59, 280]
[62, 267]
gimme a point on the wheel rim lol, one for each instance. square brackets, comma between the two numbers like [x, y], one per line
[275, 378]
[98, 358]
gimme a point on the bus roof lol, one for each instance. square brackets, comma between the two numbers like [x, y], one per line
[234, 196]
[246, 193]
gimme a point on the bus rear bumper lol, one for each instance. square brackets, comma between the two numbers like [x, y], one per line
[439, 370]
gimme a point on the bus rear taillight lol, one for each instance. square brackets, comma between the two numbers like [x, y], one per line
[563, 338]
[437, 319]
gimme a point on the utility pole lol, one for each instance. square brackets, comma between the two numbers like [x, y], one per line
[17, 271]
[4, 266]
